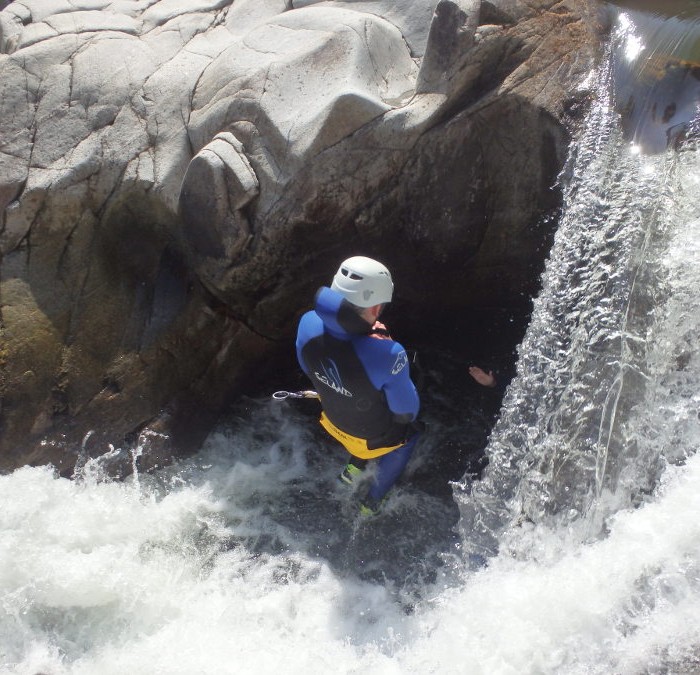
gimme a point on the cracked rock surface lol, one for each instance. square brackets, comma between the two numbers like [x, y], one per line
[177, 177]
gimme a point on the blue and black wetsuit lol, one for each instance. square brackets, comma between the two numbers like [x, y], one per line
[364, 384]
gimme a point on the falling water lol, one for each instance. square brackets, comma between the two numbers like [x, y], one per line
[575, 441]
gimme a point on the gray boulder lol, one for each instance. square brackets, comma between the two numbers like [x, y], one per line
[177, 178]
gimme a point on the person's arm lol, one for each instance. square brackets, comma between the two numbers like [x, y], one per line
[401, 395]
[308, 328]
[390, 372]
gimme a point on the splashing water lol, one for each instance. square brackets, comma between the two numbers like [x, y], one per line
[101, 577]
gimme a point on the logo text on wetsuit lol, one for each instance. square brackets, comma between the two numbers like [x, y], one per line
[400, 363]
[331, 377]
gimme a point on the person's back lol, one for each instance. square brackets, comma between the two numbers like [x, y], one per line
[361, 374]
[363, 382]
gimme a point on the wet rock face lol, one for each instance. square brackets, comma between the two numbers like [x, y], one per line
[177, 178]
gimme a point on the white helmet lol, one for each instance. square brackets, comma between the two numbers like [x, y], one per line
[363, 282]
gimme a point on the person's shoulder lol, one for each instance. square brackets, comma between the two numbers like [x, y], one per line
[386, 353]
[396, 347]
[310, 324]
[379, 345]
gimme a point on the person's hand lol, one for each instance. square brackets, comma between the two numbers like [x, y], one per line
[482, 377]
[384, 332]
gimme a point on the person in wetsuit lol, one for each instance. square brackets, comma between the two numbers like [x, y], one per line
[362, 376]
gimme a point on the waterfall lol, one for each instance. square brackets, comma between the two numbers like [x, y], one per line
[581, 433]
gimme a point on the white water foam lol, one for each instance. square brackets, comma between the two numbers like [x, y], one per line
[107, 578]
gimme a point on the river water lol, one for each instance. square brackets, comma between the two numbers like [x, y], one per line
[578, 550]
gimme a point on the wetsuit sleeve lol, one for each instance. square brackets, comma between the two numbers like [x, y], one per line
[309, 327]
[400, 392]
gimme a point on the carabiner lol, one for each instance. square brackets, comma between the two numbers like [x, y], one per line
[282, 395]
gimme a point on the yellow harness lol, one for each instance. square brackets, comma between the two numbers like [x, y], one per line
[354, 445]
